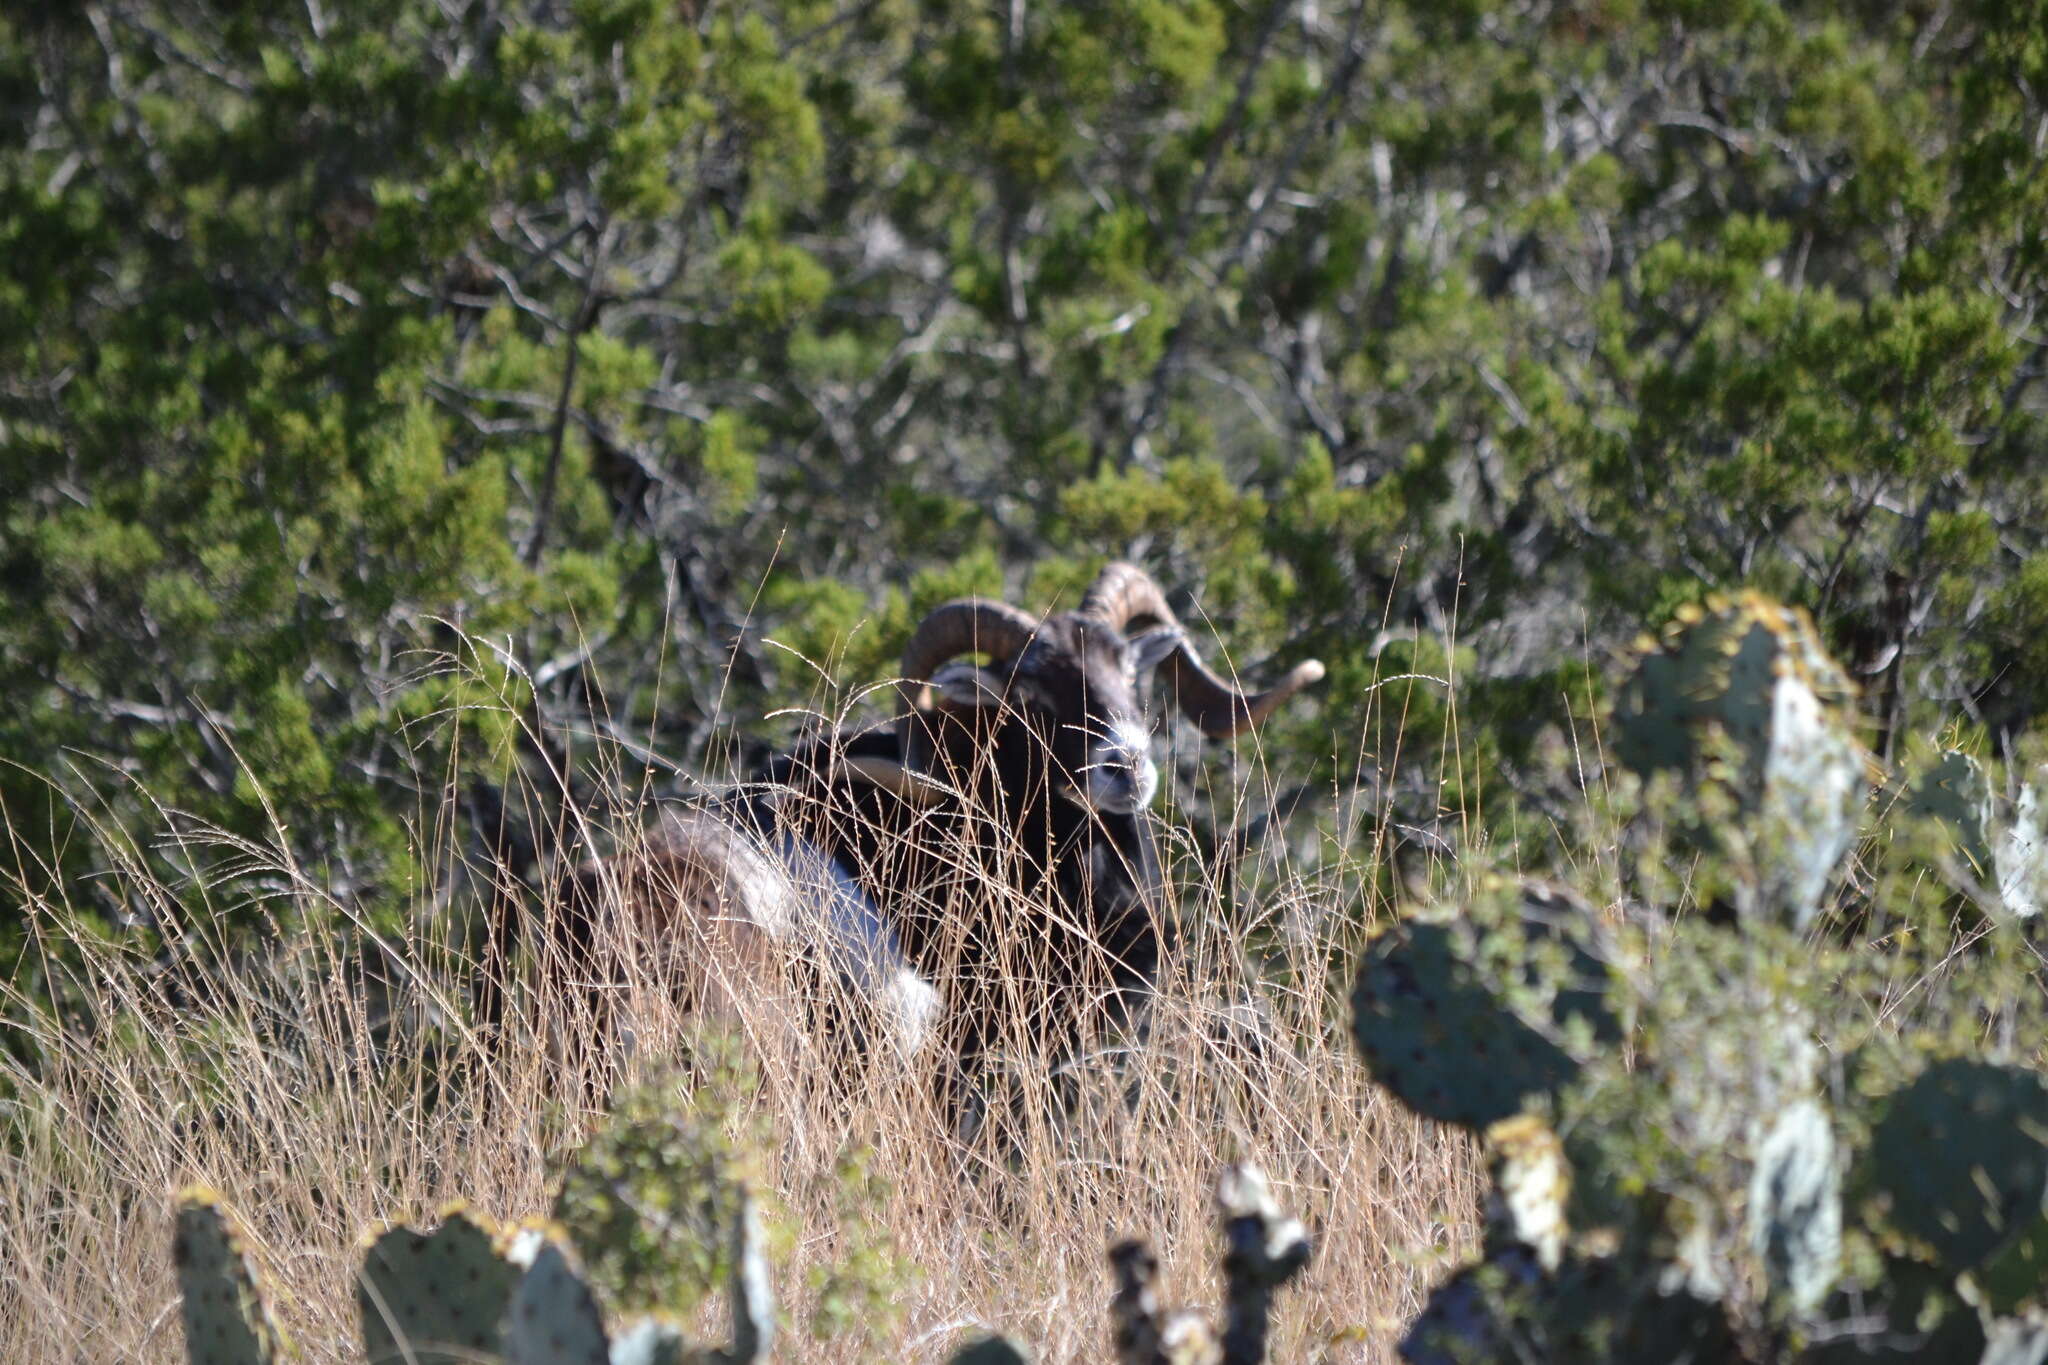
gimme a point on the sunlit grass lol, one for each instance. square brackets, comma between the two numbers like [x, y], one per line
[328, 1083]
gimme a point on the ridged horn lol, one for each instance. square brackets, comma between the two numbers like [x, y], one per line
[977, 625]
[1123, 594]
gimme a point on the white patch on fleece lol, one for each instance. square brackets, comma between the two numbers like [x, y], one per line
[861, 945]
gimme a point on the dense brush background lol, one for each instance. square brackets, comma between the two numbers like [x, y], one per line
[432, 429]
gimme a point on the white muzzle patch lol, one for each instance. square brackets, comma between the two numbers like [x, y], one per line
[1121, 775]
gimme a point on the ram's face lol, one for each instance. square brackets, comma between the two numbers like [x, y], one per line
[1076, 687]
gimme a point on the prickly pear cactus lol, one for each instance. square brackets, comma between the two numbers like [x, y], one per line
[1472, 1316]
[991, 1351]
[226, 1319]
[652, 1341]
[650, 1199]
[1440, 1038]
[1739, 694]
[1954, 793]
[2000, 844]
[1532, 1184]
[1453, 1040]
[435, 1298]
[1962, 1154]
[1263, 1248]
[1607, 1311]
[553, 1318]
[1795, 1207]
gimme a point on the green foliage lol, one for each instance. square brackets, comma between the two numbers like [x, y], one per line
[858, 1294]
[646, 1199]
[629, 337]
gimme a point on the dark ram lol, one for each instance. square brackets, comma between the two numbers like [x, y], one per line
[987, 859]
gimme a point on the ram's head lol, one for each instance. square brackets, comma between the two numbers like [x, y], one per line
[1075, 681]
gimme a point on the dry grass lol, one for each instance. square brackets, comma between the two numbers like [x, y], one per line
[324, 1093]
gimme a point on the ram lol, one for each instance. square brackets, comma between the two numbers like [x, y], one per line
[986, 860]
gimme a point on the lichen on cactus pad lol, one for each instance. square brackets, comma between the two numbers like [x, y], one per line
[435, 1298]
[2019, 855]
[1962, 1152]
[1795, 1206]
[1532, 1184]
[226, 1319]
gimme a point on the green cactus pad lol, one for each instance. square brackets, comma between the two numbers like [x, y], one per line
[1963, 1154]
[991, 1351]
[1451, 1045]
[1434, 1033]
[1715, 666]
[435, 1299]
[1795, 1207]
[226, 1320]
[1906, 1315]
[1597, 1312]
[554, 1318]
[2016, 1278]
[1739, 693]
[1955, 794]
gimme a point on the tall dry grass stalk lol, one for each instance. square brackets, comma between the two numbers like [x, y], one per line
[325, 1089]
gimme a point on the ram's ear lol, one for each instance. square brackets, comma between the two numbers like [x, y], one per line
[1150, 648]
[968, 686]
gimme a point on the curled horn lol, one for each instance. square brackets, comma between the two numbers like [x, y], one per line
[1124, 594]
[969, 624]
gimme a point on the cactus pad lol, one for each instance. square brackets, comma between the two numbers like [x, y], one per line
[1598, 1312]
[1740, 693]
[226, 1320]
[435, 1298]
[1263, 1248]
[1795, 1206]
[2016, 1279]
[1955, 794]
[1436, 1034]
[1963, 1153]
[554, 1318]
[1447, 1042]
[991, 1351]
